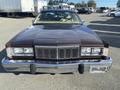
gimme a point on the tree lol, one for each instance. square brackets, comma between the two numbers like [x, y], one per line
[118, 3]
[91, 3]
[50, 2]
[78, 5]
[83, 4]
[56, 2]
[71, 3]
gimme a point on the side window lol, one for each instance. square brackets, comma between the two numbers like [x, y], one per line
[68, 16]
[76, 18]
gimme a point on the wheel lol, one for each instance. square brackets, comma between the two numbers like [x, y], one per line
[32, 69]
[81, 69]
[16, 73]
[112, 15]
[52, 73]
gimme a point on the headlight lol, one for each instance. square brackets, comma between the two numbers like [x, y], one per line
[28, 50]
[87, 51]
[19, 52]
[96, 51]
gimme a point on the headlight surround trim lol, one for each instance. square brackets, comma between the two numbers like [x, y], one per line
[19, 51]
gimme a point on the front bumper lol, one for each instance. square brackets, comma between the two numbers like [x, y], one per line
[59, 67]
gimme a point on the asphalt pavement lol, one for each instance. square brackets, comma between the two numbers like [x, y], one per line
[108, 28]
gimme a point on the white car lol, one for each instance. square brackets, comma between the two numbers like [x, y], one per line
[115, 13]
[105, 11]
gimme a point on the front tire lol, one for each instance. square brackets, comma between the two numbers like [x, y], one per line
[16, 73]
[112, 15]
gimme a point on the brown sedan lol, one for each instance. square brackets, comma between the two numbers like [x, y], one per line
[57, 42]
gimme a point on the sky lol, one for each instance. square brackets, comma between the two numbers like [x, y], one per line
[100, 3]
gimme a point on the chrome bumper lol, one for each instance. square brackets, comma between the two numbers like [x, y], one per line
[64, 67]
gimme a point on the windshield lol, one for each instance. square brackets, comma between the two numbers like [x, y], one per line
[57, 17]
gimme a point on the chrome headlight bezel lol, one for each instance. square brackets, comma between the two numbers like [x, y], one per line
[19, 51]
[91, 51]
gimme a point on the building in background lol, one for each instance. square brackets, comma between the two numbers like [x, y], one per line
[22, 6]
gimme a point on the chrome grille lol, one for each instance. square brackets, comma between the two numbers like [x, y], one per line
[57, 52]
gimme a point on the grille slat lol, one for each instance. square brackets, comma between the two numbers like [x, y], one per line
[68, 53]
[46, 53]
[53, 53]
[74, 52]
[57, 52]
[61, 53]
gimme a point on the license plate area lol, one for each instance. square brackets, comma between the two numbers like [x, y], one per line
[98, 69]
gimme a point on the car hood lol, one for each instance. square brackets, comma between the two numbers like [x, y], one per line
[56, 35]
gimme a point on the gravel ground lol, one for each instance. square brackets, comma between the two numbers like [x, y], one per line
[9, 27]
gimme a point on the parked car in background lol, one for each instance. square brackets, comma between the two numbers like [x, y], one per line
[57, 42]
[115, 13]
[102, 10]
[92, 9]
[84, 11]
[106, 11]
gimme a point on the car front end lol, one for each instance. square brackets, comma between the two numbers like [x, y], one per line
[57, 59]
